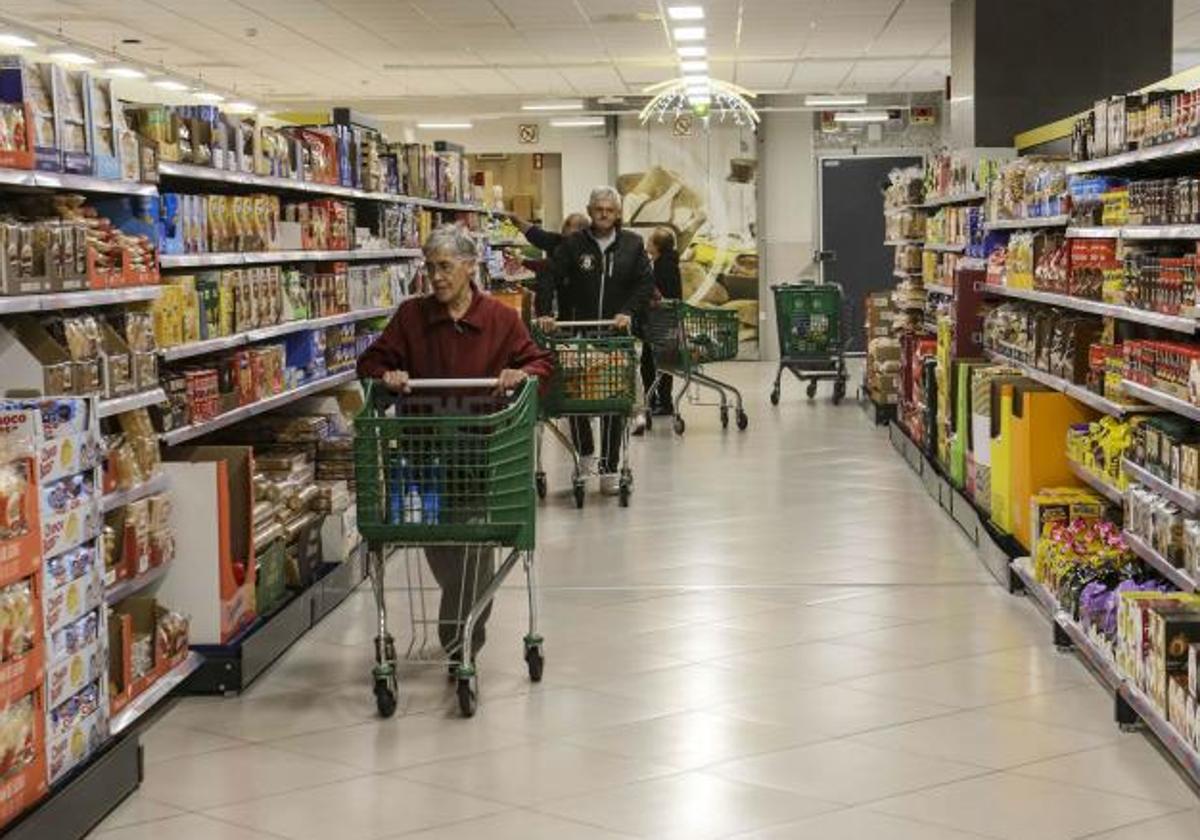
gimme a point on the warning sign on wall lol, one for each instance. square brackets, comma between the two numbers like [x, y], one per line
[527, 132]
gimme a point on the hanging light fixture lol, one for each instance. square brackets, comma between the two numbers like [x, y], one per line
[705, 98]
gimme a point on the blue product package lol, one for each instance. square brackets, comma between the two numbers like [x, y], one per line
[395, 490]
[431, 498]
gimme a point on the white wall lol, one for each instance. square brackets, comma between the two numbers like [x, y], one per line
[787, 210]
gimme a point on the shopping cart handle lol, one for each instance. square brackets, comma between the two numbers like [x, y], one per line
[439, 384]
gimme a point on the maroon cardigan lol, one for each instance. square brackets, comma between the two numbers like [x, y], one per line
[423, 340]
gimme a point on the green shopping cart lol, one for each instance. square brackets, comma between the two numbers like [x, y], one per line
[448, 470]
[595, 375]
[685, 338]
[809, 319]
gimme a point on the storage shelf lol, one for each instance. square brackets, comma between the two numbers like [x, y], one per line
[1024, 224]
[898, 242]
[213, 345]
[1136, 232]
[1098, 484]
[1076, 392]
[1163, 401]
[944, 248]
[1175, 323]
[938, 289]
[1178, 577]
[1177, 148]
[1167, 734]
[122, 589]
[151, 697]
[1100, 662]
[1093, 232]
[1188, 501]
[204, 173]
[120, 498]
[959, 198]
[195, 430]
[76, 183]
[143, 399]
[901, 274]
[1034, 588]
[75, 300]
[274, 257]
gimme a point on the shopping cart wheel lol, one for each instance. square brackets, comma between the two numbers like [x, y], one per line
[812, 388]
[540, 481]
[775, 395]
[839, 391]
[743, 421]
[680, 426]
[580, 494]
[649, 420]
[535, 660]
[468, 696]
[724, 417]
[385, 697]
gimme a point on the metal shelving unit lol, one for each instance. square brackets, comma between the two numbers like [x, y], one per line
[1098, 484]
[944, 248]
[897, 242]
[1077, 392]
[77, 300]
[150, 698]
[1156, 722]
[939, 289]
[1177, 148]
[120, 498]
[195, 430]
[1136, 232]
[1175, 323]
[31, 179]
[1025, 224]
[142, 399]
[213, 345]
[1178, 577]
[1158, 398]
[273, 257]
[122, 589]
[1188, 501]
[960, 198]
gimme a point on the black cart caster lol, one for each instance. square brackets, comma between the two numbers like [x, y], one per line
[385, 697]
[626, 489]
[580, 493]
[680, 426]
[649, 420]
[724, 417]
[775, 395]
[839, 392]
[468, 696]
[540, 482]
[535, 660]
[812, 388]
[742, 420]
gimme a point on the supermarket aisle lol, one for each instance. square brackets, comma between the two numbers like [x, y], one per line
[783, 638]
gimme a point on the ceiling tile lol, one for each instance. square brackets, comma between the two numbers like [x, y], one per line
[816, 76]
[880, 73]
[766, 75]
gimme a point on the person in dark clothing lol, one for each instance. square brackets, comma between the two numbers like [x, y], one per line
[547, 241]
[601, 273]
[660, 246]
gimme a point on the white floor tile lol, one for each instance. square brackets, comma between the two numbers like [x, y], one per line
[186, 827]
[858, 824]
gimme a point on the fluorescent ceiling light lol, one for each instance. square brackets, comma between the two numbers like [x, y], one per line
[170, 84]
[835, 101]
[444, 125]
[685, 12]
[209, 96]
[73, 57]
[689, 33]
[578, 122]
[693, 51]
[126, 73]
[861, 116]
[8, 39]
[564, 105]
[693, 66]
[242, 107]
[695, 80]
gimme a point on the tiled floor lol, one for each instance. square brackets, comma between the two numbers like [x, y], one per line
[782, 638]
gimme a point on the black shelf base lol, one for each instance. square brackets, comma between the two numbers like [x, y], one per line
[230, 669]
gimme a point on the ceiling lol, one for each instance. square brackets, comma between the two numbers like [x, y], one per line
[387, 56]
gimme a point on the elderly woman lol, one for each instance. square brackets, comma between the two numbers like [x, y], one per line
[457, 331]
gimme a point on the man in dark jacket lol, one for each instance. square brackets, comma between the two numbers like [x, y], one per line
[602, 273]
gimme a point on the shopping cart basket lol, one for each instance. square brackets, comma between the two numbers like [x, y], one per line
[811, 338]
[448, 466]
[684, 338]
[595, 375]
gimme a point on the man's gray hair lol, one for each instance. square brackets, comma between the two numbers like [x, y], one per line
[605, 193]
[453, 239]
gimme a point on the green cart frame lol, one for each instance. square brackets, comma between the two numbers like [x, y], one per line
[809, 318]
[447, 466]
[595, 375]
[684, 338]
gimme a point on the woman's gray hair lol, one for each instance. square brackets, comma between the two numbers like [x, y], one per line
[605, 193]
[453, 239]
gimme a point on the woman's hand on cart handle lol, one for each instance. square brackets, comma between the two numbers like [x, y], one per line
[397, 380]
[509, 380]
[622, 321]
[545, 323]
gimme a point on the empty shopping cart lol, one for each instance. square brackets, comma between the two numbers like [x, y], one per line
[811, 339]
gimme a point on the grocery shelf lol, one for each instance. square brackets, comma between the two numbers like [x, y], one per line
[1186, 500]
[1042, 596]
[901, 274]
[1032, 222]
[76, 183]
[273, 257]
[1076, 392]
[1158, 398]
[971, 264]
[1178, 577]
[185, 171]
[944, 248]
[958, 198]
[122, 589]
[213, 345]
[1093, 232]
[1136, 232]
[1168, 735]
[120, 498]
[1175, 323]
[150, 698]
[1176, 148]
[76, 300]
[142, 399]
[195, 430]
[897, 242]
[1098, 484]
[939, 289]
[1101, 663]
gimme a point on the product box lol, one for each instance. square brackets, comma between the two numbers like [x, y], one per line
[17, 145]
[74, 121]
[1193, 670]
[24, 781]
[103, 110]
[76, 729]
[70, 602]
[67, 676]
[40, 85]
